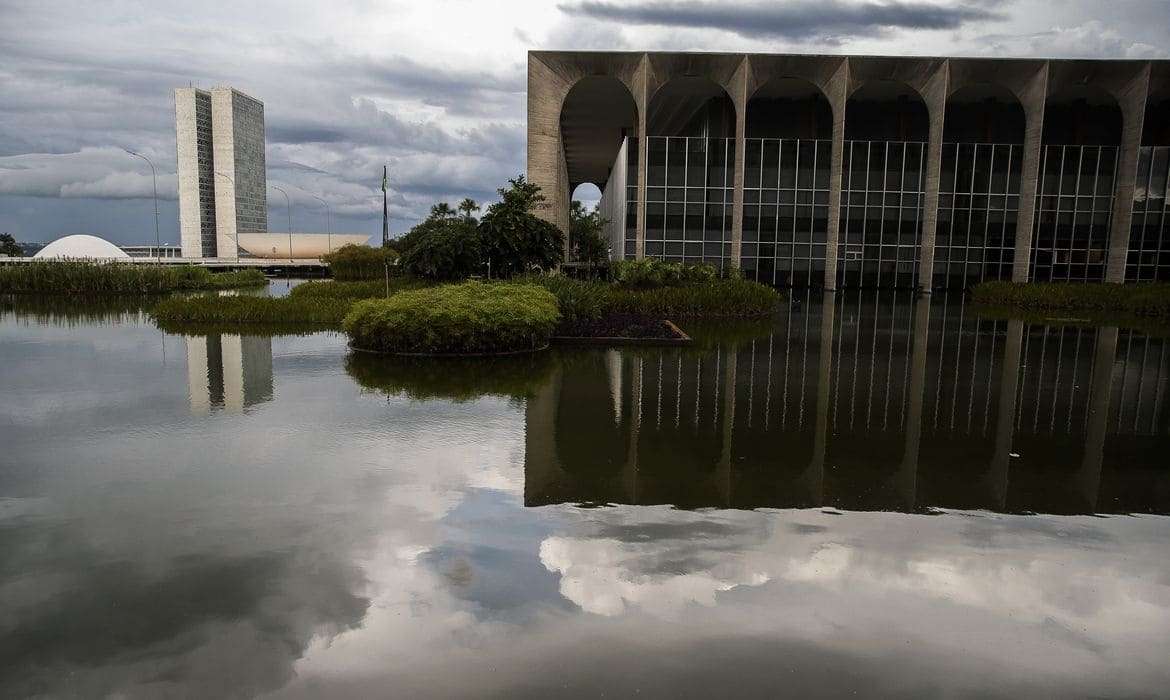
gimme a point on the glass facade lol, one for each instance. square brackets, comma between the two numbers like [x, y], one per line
[688, 199]
[1074, 208]
[979, 199]
[1149, 256]
[882, 192]
[785, 210]
[690, 191]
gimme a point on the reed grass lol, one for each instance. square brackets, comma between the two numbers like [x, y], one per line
[371, 289]
[231, 310]
[723, 298]
[80, 277]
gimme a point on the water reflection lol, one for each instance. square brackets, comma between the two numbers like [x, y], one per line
[862, 402]
[228, 372]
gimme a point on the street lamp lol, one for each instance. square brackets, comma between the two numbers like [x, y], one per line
[237, 237]
[328, 222]
[154, 179]
[288, 207]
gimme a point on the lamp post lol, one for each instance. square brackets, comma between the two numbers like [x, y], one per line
[154, 180]
[237, 236]
[288, 207]
[328, 222]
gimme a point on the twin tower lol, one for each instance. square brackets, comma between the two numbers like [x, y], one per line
[222, 182]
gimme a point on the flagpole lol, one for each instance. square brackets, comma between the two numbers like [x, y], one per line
[385, 229]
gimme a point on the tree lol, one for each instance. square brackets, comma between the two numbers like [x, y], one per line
[467, 208]
[442, 210]
[443, 249]
[586, 239]
[8, 246]
[515, 240]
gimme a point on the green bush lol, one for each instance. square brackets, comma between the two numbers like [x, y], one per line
[1134, 299]
[213, 309]
[582, 299]
[650, 273]
[81, 277]
[473, 317]
[449, 250]
[359, 262]
[457, 379]
[370, 289]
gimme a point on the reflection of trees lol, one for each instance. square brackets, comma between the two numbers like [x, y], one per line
[72, 311]
[455, 379]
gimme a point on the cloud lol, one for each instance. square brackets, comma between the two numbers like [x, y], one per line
[107, 173]
[1092, 39]
[792, 20]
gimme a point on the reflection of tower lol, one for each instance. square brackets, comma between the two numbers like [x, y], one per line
[229, 372]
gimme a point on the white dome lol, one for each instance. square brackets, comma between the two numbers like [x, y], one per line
[82, 246]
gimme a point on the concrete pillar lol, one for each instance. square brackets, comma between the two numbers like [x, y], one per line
[739, 98]
[1033, 103]
[546, 92]
[643, 99]
[1133, 113]
[935, 95]
[838, 94]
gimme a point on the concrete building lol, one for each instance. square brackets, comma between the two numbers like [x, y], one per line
[228, 372]
[863, 170]
[221, 171]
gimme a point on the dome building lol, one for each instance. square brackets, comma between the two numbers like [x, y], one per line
[82, 246]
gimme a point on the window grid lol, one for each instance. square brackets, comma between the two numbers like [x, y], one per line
[977, 210]
[1149, 258]
[689, 198]
[882, 193]
[1074, 208]
[786, 208]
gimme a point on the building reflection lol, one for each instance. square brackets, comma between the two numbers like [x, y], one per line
[862, 402]
[228, 372]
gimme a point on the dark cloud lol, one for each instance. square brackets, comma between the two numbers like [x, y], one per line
[800, 20]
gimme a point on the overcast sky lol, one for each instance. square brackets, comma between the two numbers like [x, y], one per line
[435, 89]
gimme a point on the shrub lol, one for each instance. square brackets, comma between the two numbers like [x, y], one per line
[359, 262]
[581, 299]
[370, 289]
[455, 379]
[1135, 299]
[86, 277]
[449, 250]
[473, 317]
[514, 240]
[650, 273]
[230, 310]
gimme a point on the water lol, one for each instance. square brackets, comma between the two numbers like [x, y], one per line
[875, 496]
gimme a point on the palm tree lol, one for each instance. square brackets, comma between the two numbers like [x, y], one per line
[442, 210]
[466, 207]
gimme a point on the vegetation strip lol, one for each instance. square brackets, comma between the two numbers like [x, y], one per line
[1142, 300]
[81, 277]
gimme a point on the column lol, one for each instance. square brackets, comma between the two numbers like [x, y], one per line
[816, 470]
[1033, 104]
[546, 92]
[1133, 114]
[739, 90]
[643, 98]
[935, 95]
[838, 94]
[908, 469]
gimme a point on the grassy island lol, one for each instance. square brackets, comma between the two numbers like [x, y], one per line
[82, 277]
[467, 318]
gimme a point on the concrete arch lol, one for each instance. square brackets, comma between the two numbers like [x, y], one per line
[596, 113]
[1083, 115]
[802, 105]
[984, 112]
[868, 116]
[675, 106]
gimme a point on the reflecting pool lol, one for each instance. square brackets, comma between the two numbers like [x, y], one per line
[869, 494]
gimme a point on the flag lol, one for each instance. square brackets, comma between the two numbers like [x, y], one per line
[383, 178]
